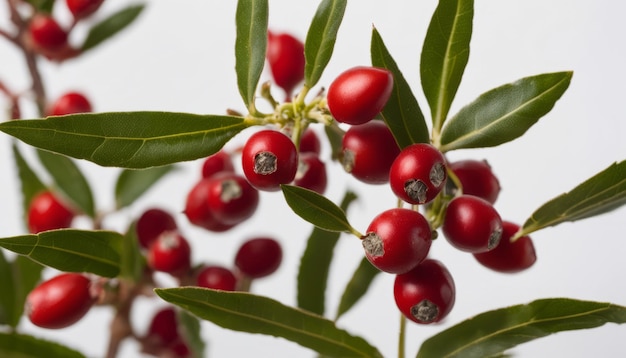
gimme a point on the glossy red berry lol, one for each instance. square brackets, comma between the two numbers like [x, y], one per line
[151, 224]
[477, 178]
[70, 103]
[472, 224]
[311, 173]
[357, 95]
[83, 8]
[230, 198]
[426, 294]
[367, 152]
[418, 173]
[47, 212]
[509, 257]
[217, 163]
[217, 278]
[46, 33]
[269, 158]
[60, 301]
[170, 253]
[259, 257]
[163, 328]
[310, 142]
[285, 55]
[197, 208]
[397, 240]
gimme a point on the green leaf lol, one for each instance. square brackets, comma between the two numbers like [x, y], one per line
[111, 25]
[445, 54]
[70, 180]
[71, 250]
[504, 113]
[30, 182]
[317, 209]
[190, 330]
[357, 287]
[132, 263]
[250, 46]
[26, 275]
[597, 195]
[402, 113]
[334, 134]
[43, 6]
[7, 294]
[315, 265]
[23, 346]
[493, 332]
[249, 313]
[320, 39]
[129, 139]
[132, 183]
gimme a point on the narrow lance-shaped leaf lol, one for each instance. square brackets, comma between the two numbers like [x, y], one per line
[317, 209]
[504, 113]
[132, 183]
[132, 262]
[70, 180]
[250, 46]
[402, 113]
[315, 265]
[26, 275]
[191, 333]
[357, 287]
[321, 37]
[445, 54]
[24, 346]
[249, 313]
[493, 332]
[129, 139]
[110, 26]
[71, 250]
[30, 182]
[7, 295]
[599, 194]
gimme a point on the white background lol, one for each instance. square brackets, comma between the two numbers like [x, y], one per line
[179, 57]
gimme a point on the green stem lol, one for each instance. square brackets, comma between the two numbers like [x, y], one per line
[402, 336]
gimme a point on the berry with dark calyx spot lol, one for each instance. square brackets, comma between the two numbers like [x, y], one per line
[310, 142]
[258, 257]
[367, 152]
[151, 224]
[311, 173]
[170, 253]
[426, 294]
[418, 173]
[197, 208]
[217, 278]
[83, 8]
[47, 212]
[357, 95]
[230, 198]
[269, 158]
[472, 224]
[60, 301]
[397, 240]
[509, 257]
[477, 178]
[217, 163]
[285, 55]
[70, 103]
[46, 34]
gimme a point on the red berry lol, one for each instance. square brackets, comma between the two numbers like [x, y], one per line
[197, 208]
[477, 179]
[217, 163]
[425, 294]
[163, 329]
[309, 142]
[152, 223]
[311, 173]
[418, 173]
[170, 253]
[60, 301]
[285, 55]
[509, 257]
[217, 278]
[83, 8]
[259, 257]
[357, 95]
[397, 240]
[47, 212]
[70, 103]
[230, 198]
[472, 224]
[367, 152]
[47, 34]
[269, 158]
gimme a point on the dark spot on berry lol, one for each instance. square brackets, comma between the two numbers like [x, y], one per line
[265, 163]
[416, 190]
[373, 244]
[425, 311]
